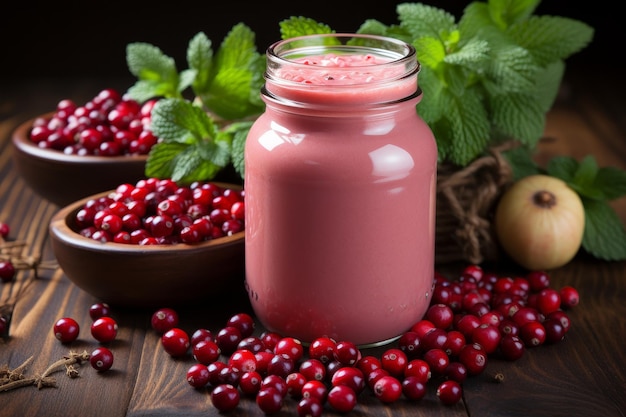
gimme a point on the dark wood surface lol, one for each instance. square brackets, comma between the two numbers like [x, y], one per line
[584, 375]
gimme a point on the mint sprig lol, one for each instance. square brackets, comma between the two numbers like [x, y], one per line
[203, 108]
[225, 83]
[228, 83]
[489, 76]
[604, 236]
[191, 145]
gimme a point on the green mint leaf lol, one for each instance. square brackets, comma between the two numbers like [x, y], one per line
[606, 183]
[435, 97]
[422, 20]
[238, 48]
[375, 27]
[511, 69]
[142, 91]
[585, 174]
[233, 90]
[472, 55]
[547, 84]
[301, 26]
[563, 167]
[477, 21]
[604, 236]
[519, 116]
[186, 78]
[200, 59]
[192, 148]
[178, 120]
[507, 12]
[468, 128]
[153, 69]
[551, 38]
[521, 161]
[162, 159]
[611, 182]
[579, 176]
[430, 52]
[185, 163]
[239, 132]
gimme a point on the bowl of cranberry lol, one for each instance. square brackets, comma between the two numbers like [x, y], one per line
[154, 242]
[79, 150]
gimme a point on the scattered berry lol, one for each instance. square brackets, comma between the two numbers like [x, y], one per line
[198, 375]
[66, 329]
[175, 342]
[7, 271]
[104, 329]
[98, 310]
[4, 230]
[164, 319]
[101, 359]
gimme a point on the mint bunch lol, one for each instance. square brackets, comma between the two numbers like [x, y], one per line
[197, 133]
[489, 77]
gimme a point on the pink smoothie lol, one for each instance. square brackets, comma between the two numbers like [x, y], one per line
[340, 209]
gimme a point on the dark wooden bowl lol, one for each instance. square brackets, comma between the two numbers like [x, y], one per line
[147, 276]
[62, 179]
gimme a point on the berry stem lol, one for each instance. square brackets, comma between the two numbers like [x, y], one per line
[68, 362]
[12, 379]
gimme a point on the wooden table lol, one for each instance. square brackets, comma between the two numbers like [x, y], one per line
[584, 375]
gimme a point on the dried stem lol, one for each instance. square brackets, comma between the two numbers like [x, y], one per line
[15, 379]
[66, 362]
[18, 373]
[40, 382]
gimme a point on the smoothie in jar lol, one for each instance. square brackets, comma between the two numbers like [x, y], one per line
[340, 196]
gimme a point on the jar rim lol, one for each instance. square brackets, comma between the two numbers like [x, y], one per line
[289, 51]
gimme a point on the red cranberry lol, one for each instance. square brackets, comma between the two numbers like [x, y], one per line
[175, 341]
[225, 397]
[569, 297]
[101, 359]
[164, 319]
[349, 376]
[413, 388]
[388, 389]
[394, 361]
[250, 382]
[323, 349]
[449, 392]
[511, 347]
[198, 375]
[269, 400]
[104, 329]
[474, 357]
[342, 398]
[310, 407]
[66, 329]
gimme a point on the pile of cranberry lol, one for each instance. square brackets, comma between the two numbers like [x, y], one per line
[471, 319]
[107, 125]
[160, 211]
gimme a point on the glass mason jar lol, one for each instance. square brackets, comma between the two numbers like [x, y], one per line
[340, 177]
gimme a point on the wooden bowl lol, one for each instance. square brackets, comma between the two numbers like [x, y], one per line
[62, 179]
[147, 276]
